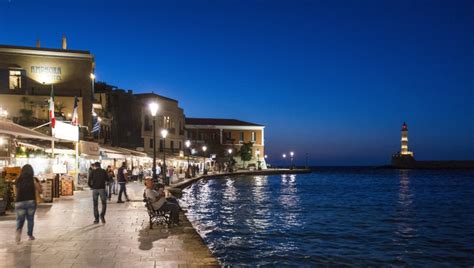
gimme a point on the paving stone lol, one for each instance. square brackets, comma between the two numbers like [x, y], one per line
[66, 237]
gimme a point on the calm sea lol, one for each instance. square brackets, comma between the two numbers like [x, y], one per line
[361, 217]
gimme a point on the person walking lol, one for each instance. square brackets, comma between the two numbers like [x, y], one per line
[122, 179]
[97, 182]
[25, 204]
[110, 182]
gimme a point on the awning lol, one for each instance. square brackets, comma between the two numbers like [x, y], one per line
[119, 152]
[10, 128]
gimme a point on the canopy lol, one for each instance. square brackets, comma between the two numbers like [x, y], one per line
[10, 128]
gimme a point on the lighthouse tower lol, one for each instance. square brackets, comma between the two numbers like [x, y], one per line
[404, 150]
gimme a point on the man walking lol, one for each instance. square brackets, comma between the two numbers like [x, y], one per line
[97, 181]
[122, 178]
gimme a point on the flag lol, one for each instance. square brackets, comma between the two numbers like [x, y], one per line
[96, 127]
[51, 109]
[75, 116]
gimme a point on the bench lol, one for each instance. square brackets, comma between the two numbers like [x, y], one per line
[156, 216]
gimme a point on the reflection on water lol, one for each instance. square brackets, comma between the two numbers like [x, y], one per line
[359, 217]
[290, 200]
[404, 217]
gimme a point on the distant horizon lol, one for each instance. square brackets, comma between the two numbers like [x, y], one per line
[334, 79]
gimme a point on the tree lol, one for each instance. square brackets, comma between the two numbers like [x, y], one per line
[59, 107]
[246, 152]
[24, 100]
[26, 116]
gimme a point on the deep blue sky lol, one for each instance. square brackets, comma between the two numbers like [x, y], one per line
[335, 79]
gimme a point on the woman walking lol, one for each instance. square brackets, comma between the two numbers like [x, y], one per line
[25, 206]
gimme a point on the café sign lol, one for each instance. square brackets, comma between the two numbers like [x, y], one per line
[49, 72]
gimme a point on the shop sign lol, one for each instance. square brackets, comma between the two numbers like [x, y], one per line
[50, 73]
[65, 131]
[89, 148]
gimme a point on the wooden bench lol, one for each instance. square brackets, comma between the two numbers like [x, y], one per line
[156, 216]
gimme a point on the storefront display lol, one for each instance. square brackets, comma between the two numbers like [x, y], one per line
[67, 186]
[47, 186]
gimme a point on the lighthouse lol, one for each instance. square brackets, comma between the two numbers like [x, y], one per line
[404, 149]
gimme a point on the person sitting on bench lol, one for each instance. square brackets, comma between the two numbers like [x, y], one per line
[159, 202]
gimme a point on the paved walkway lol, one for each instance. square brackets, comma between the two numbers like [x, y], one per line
[66, 237]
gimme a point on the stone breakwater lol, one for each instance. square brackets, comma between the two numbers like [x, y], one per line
[176, 188]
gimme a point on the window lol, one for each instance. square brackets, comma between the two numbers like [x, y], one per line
[241, 136]
[172, 145]
[254, 137]
[151, 143]
[180, 147]
[166, 122]
[147, 123]
[15, 79]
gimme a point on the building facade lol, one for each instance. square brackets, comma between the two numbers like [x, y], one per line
[219, 135]
[32, 72]
[170, 117]
[120, 116]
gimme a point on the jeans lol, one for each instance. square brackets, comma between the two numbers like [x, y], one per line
[95, 197]
[123, 189]
[110, 188]
[25, 209]
[174, 208]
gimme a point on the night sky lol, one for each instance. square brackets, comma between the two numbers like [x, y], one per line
[335, 79]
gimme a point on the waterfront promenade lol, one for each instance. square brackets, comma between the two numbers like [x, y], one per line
[66, 237]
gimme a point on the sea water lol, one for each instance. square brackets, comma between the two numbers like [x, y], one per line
[337, 216]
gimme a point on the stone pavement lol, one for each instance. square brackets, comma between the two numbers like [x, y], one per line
[66, 237]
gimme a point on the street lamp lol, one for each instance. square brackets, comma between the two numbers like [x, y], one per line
[188, 143]
[204, 148]
[230, 159]
[92, 76]
[153, 106]
[284, 157]
[291, 157]
[164, 133]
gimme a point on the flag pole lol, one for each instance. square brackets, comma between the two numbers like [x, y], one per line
[52, 129]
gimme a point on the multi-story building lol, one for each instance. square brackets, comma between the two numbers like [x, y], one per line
[219, 135]
[170, 116]
[27, 75]
[120, 114]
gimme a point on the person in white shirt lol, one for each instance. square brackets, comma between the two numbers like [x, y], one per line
[159, 202]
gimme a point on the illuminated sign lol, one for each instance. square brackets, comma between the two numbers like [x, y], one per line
[47, 72]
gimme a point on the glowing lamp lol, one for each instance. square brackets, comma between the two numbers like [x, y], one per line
[153, 106]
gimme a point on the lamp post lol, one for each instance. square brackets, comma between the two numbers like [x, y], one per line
[188, 143]
[291, 157]
[92, 76]
[153, 106]
[230, 160]
[204, 148]
[265, 157]
[164, 133]
[284, 158]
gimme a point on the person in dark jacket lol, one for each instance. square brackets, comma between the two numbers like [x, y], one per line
[122, 179]
[25, 204]
[97, 181]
